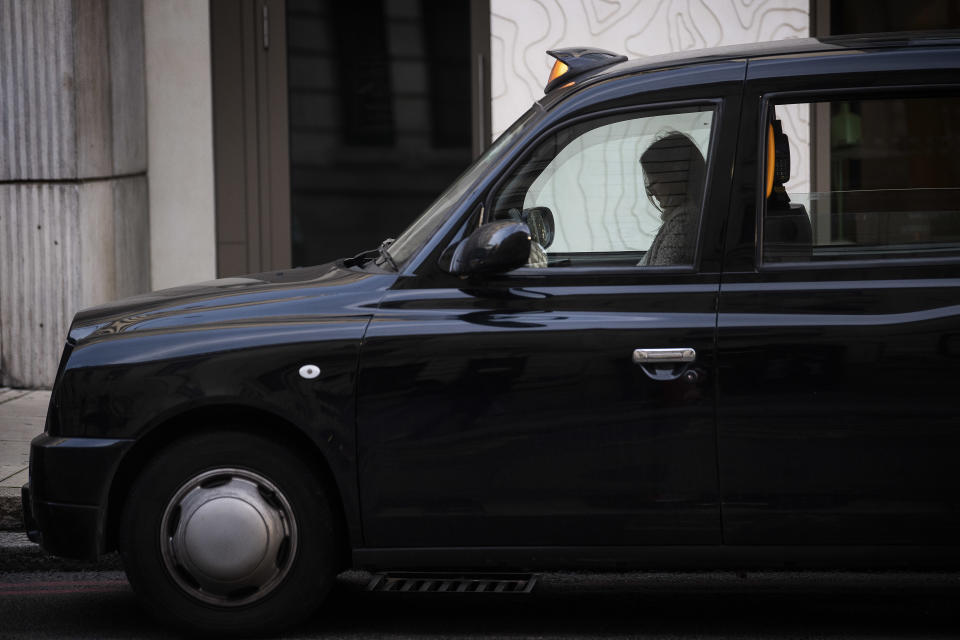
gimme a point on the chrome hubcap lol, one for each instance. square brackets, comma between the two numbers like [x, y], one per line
[228, 537]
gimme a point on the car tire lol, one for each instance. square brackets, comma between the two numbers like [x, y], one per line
[229, 533]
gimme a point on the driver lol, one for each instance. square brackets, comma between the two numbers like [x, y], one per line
[673, 174]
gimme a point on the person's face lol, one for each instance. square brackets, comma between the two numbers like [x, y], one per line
[655, 189]
[666, 183]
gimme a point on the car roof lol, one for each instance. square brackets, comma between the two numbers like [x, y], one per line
[778, 48]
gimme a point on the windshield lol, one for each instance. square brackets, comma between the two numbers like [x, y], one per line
[424, 227]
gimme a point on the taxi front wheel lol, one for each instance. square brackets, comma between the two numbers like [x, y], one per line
[229, 533]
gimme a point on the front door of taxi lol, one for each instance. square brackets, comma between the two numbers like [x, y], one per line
[511, 410]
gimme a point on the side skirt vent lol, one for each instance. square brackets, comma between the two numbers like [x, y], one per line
[404, 582]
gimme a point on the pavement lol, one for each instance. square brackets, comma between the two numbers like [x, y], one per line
[22, 414]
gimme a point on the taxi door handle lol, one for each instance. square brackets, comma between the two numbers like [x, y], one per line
[664, 356]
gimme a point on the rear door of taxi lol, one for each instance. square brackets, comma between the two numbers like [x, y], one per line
[839, 316]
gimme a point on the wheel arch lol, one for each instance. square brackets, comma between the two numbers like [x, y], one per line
[240, 418]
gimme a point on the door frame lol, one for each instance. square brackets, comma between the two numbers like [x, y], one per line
[250, 135]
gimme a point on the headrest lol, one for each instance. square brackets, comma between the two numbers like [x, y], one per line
[778, 157]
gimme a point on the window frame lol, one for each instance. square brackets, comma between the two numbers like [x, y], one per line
[811, 96]
[715, 104]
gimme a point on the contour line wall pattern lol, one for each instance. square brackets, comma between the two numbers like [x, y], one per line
[521, 31]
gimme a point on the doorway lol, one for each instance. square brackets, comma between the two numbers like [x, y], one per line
[380, 117]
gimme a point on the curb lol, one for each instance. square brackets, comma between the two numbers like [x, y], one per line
[11, 514]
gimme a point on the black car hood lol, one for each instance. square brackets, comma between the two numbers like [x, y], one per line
[237, 300]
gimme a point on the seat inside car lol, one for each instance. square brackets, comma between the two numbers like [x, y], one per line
[787, 233]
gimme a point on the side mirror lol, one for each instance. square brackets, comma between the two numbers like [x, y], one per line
[495, 247]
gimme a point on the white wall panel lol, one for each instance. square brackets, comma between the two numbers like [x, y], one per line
[180, 129]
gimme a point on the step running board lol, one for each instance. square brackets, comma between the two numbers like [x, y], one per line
[409, 582]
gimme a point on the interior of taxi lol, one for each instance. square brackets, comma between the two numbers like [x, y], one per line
[862, 178]
[624, 190]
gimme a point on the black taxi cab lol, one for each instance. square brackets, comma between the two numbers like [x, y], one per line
[696, 310]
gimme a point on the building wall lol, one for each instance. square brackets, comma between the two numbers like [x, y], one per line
[73, 196]
[179, 125]
[521, 31]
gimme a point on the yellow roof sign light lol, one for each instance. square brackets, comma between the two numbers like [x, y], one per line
[559, 68]
[573, 62]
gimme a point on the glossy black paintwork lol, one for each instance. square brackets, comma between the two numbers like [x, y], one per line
[70, 484]
[75, 470]
[505, 411]
[511, 414]
[838, 414]
[238, 343]
[493, 248]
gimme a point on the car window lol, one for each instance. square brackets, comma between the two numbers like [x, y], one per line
[884, 178]
[621, 190]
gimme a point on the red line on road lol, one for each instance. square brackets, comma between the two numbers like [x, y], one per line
[61, 583]
[37, 592]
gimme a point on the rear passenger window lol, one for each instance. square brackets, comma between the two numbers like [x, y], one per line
[875, 178]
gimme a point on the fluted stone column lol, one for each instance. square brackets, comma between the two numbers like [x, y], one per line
[74, 224]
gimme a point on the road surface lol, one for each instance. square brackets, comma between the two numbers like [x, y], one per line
[99, 604]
